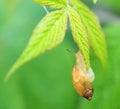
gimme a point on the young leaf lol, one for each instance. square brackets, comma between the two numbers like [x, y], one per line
[52, 3]
[95, 34]
[79, 34]
[48, 34]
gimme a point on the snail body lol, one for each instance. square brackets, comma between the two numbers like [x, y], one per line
[82, 78]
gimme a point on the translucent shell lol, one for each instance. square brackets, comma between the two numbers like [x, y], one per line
[82, 78]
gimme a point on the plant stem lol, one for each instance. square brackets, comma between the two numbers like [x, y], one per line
[45, 9]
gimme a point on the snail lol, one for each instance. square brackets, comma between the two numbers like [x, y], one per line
[82, 78]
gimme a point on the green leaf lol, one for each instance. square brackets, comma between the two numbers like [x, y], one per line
[52, 3]
[95, 34]
[48, 34]
[79, 34]
[94, 1]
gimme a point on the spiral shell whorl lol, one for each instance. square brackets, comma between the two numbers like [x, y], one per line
[82, 78]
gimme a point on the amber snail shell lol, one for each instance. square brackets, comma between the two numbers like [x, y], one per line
[82, 78]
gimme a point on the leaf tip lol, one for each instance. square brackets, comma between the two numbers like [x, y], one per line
[6, 79]
[11, 72]
[8, 75]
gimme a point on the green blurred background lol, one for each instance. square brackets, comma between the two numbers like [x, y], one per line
[45, 82]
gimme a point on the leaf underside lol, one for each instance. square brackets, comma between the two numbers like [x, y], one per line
[79, 34]
[52, 3]
[94, 31]
[47, 35]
